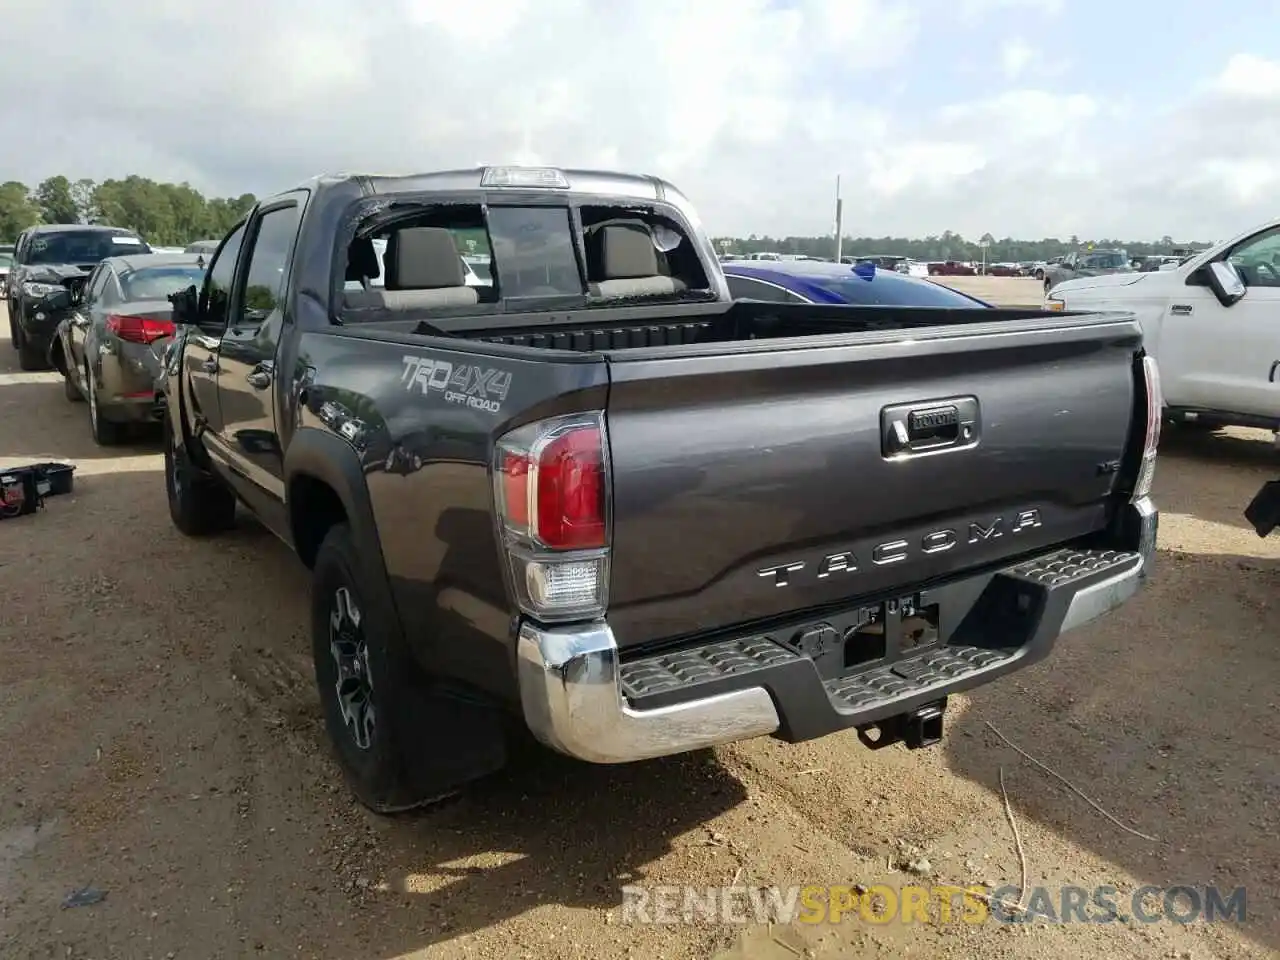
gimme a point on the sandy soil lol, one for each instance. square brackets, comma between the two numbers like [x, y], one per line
[1001, 291]
[160, 741]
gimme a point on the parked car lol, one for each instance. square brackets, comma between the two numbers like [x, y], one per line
[6, 261]
[1098, 263]
[602, 499]
[50, 266]
[1210, 321]
[951, 268]
[108, 348]
[1156, 262]
[809, 282]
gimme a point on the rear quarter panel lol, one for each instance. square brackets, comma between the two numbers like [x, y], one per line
[422, 430]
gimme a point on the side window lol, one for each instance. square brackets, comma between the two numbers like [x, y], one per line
[747, 289]
[97, 283]
[217, 283]
[268, 260]
[1258, 259]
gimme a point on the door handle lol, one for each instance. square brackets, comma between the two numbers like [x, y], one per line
[1181, 309]
[1271, 374]
[911, 429]
[260, 376]
[210, 365]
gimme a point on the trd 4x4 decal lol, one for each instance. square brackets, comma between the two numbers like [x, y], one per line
[481, 388]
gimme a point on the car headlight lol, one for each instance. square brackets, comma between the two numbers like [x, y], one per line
[38, 290]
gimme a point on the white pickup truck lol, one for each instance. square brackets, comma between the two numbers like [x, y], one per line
[1212, 323]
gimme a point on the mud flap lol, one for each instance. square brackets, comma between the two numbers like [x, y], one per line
[1263, 513]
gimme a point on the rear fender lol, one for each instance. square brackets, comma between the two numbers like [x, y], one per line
[57, 351]
[325, 457]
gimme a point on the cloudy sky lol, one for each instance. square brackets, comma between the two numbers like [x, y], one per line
[1019, 117]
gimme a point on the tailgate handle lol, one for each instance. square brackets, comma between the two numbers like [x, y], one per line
[933, 426]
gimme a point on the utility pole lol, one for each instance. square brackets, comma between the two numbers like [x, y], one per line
[839, 221]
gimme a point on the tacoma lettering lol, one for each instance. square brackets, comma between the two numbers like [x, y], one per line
[895, 551]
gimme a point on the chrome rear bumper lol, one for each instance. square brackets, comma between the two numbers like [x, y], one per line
[571, 677]
[571, 692]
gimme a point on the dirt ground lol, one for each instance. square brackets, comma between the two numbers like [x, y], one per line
[1001, 291]
[160, 741]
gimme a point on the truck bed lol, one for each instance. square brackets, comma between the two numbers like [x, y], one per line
[762, 434]
[714, 327]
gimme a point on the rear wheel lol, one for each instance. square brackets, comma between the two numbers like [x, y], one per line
[399, 745]
[198, 504]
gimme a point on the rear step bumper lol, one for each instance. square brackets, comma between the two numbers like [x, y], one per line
[581, 698]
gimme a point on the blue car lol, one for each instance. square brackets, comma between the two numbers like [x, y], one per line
[816, 281]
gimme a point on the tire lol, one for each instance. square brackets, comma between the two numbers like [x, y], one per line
[198, 504]
[70, 390]
[371, 724]
[28, 356]
[105, 433]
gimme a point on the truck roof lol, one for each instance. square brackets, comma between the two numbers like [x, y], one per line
[602, 182]
[80, 228]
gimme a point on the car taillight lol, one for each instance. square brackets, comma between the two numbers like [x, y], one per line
[551, 493]
[139, 329]
[1155, 414]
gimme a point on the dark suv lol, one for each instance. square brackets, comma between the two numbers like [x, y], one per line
[50, 266]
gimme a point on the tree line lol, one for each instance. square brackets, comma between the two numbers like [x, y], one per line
[174, 214]
[951, 246]
[164, 214]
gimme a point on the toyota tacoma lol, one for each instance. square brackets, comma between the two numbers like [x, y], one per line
[598, 500]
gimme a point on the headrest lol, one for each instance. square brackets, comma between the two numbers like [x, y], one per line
[423, 258]
[362, 260]
[627, 251]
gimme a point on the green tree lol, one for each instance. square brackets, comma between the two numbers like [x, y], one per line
[17, 210]
[56, 201]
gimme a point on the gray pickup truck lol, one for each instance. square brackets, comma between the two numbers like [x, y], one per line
[595, 497]
[1095, 263]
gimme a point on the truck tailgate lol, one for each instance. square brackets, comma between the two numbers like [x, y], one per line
[782, 477]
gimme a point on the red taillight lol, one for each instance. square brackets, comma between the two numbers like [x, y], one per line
[139, 329]
[515, 488]
[551, 488]
[570, 491]
[555, 493]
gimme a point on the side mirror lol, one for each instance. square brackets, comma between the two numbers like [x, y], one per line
[1225, 282]
[186, 306]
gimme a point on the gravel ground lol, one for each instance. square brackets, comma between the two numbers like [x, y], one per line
[160, 740]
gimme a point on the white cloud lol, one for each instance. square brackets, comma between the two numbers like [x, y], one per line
[1015, 57]
[752, 107]
[1249, 77]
